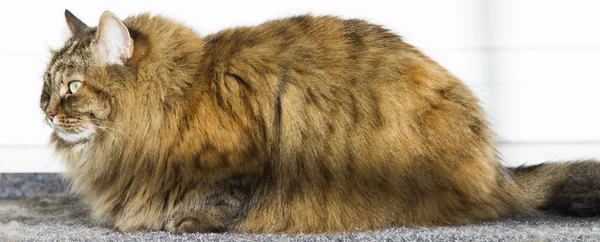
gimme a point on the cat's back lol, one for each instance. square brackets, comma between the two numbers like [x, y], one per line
[324, 56]
[320, 43]
[322, 71]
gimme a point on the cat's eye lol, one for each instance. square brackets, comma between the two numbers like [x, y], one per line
[74, 86]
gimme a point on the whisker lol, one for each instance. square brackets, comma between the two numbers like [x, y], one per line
[103, 128]
[107, 123]
[96, 133]
[107, 128]
[98, 120]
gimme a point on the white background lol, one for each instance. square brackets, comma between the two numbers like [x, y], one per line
[534, 64]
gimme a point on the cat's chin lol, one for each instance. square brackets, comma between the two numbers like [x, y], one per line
[80, 137]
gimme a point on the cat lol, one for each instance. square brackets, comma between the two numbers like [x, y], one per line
[308, 124]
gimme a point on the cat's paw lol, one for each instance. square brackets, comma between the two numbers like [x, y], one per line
[190, 224]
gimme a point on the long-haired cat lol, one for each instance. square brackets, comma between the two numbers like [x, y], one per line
[305, 124]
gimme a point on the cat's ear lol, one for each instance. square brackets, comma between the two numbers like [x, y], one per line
[113, 43]
[76, 26]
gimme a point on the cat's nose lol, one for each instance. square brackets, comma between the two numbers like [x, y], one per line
[51, 114]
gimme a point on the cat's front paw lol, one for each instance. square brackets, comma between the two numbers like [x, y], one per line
[193, 224]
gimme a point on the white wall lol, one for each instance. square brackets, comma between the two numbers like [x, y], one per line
[533, 63]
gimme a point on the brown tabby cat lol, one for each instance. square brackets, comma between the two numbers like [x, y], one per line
[305, 124]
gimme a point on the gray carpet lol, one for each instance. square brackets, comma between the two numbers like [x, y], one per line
[63, 218]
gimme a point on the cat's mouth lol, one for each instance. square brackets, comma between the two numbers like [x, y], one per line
[72, 130]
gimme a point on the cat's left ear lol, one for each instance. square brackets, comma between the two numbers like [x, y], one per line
[113, 43]
[76, 26]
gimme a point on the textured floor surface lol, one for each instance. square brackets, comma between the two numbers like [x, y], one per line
[62, 218]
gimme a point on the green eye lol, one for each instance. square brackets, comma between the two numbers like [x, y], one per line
[74, 86]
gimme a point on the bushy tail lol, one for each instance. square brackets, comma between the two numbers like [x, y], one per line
[570, 188]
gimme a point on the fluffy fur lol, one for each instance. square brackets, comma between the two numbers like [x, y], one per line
[304, 124]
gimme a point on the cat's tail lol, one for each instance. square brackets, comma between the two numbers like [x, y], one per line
[570, 188]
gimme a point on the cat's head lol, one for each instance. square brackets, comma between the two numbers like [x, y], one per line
[81, 77]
